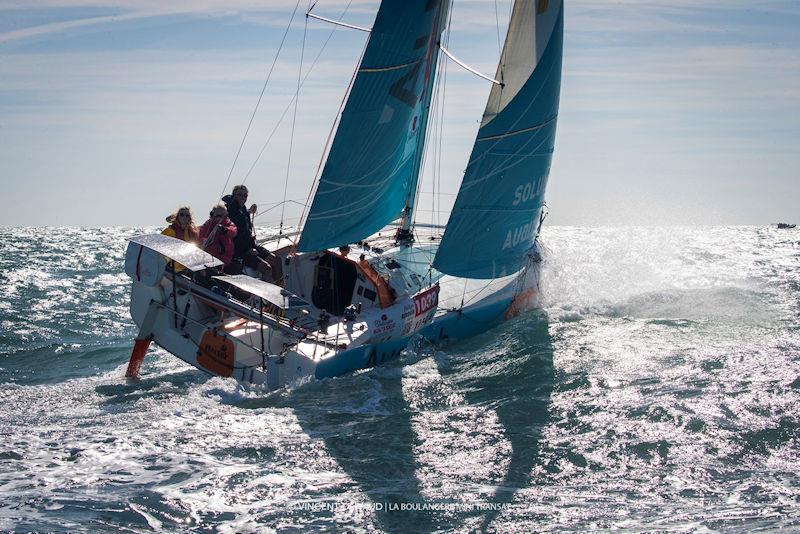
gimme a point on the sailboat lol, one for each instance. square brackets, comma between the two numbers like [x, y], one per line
[363, 279]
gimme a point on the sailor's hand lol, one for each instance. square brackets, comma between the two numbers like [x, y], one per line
[253, 209]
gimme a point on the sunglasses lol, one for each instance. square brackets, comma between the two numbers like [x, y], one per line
[218, 215]
[183, 215]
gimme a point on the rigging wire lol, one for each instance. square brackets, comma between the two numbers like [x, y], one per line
[258, 103]
[291, 102]
[433, 178]
[438, 176]
[467, 67]
[433, 132]
[276, 204]
[497, 20]
[294, 122]
[314, 185]
[338, 23]
[429, 132]
[422, 146]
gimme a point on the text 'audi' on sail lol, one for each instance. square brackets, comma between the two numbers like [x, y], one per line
[497, 213]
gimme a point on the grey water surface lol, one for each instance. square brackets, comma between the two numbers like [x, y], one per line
[658, 389]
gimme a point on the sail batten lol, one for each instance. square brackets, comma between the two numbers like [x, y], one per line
[516, 132]
[498, 209]
[374, 158]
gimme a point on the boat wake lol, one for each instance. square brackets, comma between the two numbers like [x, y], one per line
[662, 399]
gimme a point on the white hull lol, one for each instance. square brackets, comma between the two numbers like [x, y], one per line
[225, 336]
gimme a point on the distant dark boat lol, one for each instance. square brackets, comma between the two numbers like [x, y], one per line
[786, 225]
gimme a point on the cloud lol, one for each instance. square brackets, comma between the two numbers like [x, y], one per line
[184, 6]
[275, 13]
[62, 26]
[655, 94]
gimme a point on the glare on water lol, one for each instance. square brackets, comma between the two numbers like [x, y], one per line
[657, 389]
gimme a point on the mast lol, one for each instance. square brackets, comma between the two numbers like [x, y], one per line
[373, 165]
[404, 235]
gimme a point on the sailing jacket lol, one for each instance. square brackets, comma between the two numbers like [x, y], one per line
[221, 245]
[189, 234]
[244, 240]
[184, 234]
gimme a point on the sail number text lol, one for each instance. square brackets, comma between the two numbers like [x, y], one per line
[529, 191]
[426, 301]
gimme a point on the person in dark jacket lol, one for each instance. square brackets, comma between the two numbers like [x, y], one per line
[246, 252]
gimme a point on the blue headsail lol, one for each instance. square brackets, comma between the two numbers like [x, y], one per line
[374, 159]
[497, 213]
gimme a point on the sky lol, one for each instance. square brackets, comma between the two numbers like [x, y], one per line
[116, 112]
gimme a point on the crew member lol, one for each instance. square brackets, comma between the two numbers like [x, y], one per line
[217, 234]
[182, 226]
[246, 251]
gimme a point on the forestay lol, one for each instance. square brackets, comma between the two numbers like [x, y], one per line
[374, 159]
[496, 215]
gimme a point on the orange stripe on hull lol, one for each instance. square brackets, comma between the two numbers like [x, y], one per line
[522, 302]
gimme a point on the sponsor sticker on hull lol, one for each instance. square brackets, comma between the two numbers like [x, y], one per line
[216, 353]
[426, 301]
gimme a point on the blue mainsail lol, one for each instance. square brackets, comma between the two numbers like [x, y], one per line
[373, 161]
[497, 213]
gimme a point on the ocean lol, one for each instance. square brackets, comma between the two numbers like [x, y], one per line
[657, 389]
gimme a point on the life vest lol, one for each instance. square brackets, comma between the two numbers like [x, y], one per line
[190, 233]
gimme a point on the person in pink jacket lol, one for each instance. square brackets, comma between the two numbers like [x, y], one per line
[217, 233]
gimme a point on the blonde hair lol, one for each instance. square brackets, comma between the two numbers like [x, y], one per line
[219, 207]
[174, 217]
